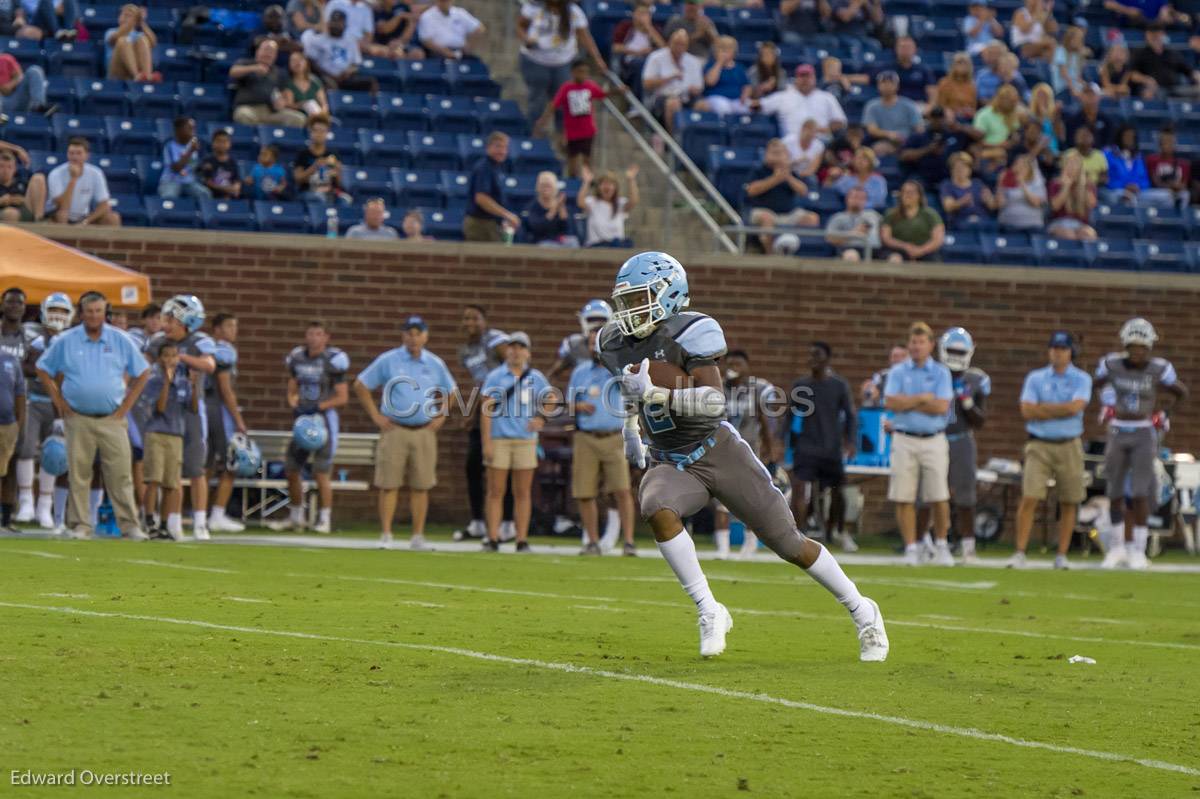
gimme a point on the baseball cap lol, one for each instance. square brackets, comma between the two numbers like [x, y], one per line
[1063, 339]
[805, 69]
[519, 337]
[415, 321]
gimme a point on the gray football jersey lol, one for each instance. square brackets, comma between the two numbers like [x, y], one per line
[973, 383]
[1136, 389]
[226, 356]
[193, 344]
[747, 406]
[573, 350]
[16, 344]
[479, 357]
[316, 375]
[687, 340]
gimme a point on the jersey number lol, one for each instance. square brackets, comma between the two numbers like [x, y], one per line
[658, 417]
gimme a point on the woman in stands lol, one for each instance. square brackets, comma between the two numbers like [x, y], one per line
[956, 91]
[606, 209]
[912, 231]
[999, 121]
[301, 91]
[1072, 200]
[1021, 196]
[1069, 58]
[129, 47]
[1047, 113]
[767, 75]
[1118, 79]
[965, 198]
[1032, 30]
[545, 221]
[862, 175]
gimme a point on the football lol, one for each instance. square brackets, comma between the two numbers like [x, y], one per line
[667, 375]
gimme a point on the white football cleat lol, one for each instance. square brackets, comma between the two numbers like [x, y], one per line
[1136, 559]
[176, 535]
[1061, 563]
[848, 543]
[200, 533]
[226, 525]
[285, 525]
[324, 528]
[46, 521]
[912, 557]
[385, 540]
[942, 556]
[25, 512]
[713, 627]
[1017, 561]
[1115, 558]
[873, 643]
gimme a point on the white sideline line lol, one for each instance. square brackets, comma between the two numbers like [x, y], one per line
[36, 553]
[67, 596]
[165, 565]
[247, 599]
[570, 668]
[1098, 620]
[598, 607]
[793, 614]
[417, 604]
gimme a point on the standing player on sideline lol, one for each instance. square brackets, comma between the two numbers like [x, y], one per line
[574, 349]
[224, 419]
[151, 323]
[483, 351]
[56, 316]
[14, 339]
[183, 316]
[316, 385]
[972, 387]
[697, 455]
[1136, 378]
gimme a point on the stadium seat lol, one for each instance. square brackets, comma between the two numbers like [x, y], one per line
[520, 189]
[130, 207]
[962, 247]
[31, 131]
[383, 147]
[418, 187]
[444, 224]
[1116, 221]
[470, 77]
[120, 171]
[227, 215]
[1049, 251]
[1114, 253]
[61, 91]
[502, 115]
[354, 109]
[93, 127]
[149, 169]
[453, 115]
[1163, 222]
[99, 18]
[215, 63]
[281, 217]
[343, 143]
[697, 131]
[532, 155]
[132, 135]
[1191, 252]
[289, 140]
[148, 100]
[44, 161]
[823, 202]
[204, 101]
[434, 150]
[1161, 255]
[454, 187]
[178, 212]
[318, 216]
[748, 130]
[106, 97]
[1007, 247]
[244, 138]
[365, 182]
[424, 77]
[403, 112]
[470, 149]
[175, 64]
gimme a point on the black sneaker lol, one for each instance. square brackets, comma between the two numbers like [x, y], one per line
[523, 546]
[491, 546]
[592, 548]
[629, 550]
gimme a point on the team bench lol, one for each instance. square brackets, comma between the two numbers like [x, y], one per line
[263, 496]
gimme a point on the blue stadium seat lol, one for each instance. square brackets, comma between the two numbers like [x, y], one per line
[532, 155]
[730, 167]
[281, 217]
[962, 246]
[424, 77]
[354, 109]
[343, 142]
[433, 150]
[105, 97]
[1112, 253]
[99, 18]
[755, 24]
[520, 189]
[444, 224]
[470, 149]
[227, 215]
[1191, 250]
[73, 59]
[31, 131]
[61, 91]
[1116, 220]
[92, 127]
[1008, 248]
[120, 171]
[1163, 222]
[131, 208]
[1157, 111]
[1161, 255]
[501, 115]
[1184, 112]
[697, 131]
[153, 100]
[823, 202]
[365, 182]
[132, 135]
[452, 115]
[215, 63]
[1193, 217]
[403, 112]
[244, 138]
[27, 51]
[204, 101]
[383, 70]
[1049, 251]
[175, 64]
[383, 147]
[149, 169]
[748, 130]
[454, 187]
[289, 140]
[179, 212]
[471, 78]
[318, 216]
[418, 187]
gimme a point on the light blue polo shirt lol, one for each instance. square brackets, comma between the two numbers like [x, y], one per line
[591, 382]
[908, 378]
[1047, 385]
[93, 372]
[412, 387]
[517, 407]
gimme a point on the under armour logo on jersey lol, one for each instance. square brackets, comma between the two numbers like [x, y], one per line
[659, 355]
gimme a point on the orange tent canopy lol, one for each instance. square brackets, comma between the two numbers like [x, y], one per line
[40, 267]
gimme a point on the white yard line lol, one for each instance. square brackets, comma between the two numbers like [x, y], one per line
[417, 604]
[646, 679]
[598, 607]
[248, 600]
[67, 596]
[37, 553]
[208, 569]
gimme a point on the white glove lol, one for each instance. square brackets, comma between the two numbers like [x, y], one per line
[637, 384]
[635, 450]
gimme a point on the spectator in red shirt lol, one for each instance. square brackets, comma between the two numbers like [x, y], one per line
[1169, 171]
[23, 91]
[575, 99]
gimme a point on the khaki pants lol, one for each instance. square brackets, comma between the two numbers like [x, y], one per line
[9, 433]
[263, 115]
[479, 229]
[110, 438]
[919, 463]
[406, 456]
[595, 455]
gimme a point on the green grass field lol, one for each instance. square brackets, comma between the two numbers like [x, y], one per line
[290, 672]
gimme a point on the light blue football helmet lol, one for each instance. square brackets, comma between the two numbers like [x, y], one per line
[57, 312]
[955, 349]
[188, 309]
[310, 432]
[593, 315]
[651, 287]
[54, 455]
[243, 458]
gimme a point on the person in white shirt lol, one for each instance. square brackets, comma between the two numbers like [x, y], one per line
[447, 31]
[806, 151]
[337, 56]
[803, 100]
[672, 78]
[606, 209]
[552, 32]
[77, 191]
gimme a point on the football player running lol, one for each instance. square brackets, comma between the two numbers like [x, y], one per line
[57, 313]
[1136, 378]
[696, 455]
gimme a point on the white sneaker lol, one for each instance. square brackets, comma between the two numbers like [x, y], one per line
[200, 533]
[942, 556]
[927, 547]
[1115, 558]
[226, 525]
[912, 557]
[848, 543]
[46, 520]
[25, 512]
[1137, 560]
[1017, 561]
[176, 535]
[1060, 563]
[324, 528]
[713, 627]
[418, 544]
[285, 525]
[508, 531]
[137, 535]
[873, 643]
[385, 540]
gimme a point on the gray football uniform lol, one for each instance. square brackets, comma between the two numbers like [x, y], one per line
[316, 377]
[960, 438]
[747, 406]
[195, 434]
[220, 422]
[479, 357]
[698, 459]
[39, 410]
[573, 350]
[1132, 443]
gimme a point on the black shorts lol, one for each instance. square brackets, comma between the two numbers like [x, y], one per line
[579, 147]
[827, 472]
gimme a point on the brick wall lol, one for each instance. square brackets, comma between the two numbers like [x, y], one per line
[770, 307]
